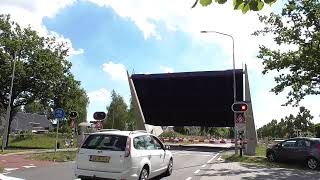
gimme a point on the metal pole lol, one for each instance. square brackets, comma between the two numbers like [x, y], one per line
[234, 82]
[112, 117]
[6, 126]
[56, 146]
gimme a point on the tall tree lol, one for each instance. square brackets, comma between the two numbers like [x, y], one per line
[243, 5]
[317, 130]
[133, 116]
[117, 113]
[298, 25]
[42, 69]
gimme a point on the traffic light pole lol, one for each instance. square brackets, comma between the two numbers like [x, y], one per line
[234, 83]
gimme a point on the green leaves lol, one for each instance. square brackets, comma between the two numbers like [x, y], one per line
[270, 2]
[300, 65]
[221, 1]
[237, 4]
[43, 79]
[243, 5]
[205, 2]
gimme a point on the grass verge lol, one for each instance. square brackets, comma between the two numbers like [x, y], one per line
[260, 160]
[261, 150]
[9, 151]
[1, 169]
[59, 157]
[36, 141]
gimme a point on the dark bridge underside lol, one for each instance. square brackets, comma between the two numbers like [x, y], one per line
[188, 99]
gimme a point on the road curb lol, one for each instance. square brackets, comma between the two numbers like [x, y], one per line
[38, 151]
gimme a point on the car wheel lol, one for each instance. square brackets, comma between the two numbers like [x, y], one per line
[271, 157]
[170, 168]
[312, 163]
[144, 174]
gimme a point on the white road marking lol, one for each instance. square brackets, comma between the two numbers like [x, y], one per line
[203, 166]
[27, 167]
[3, 177]
[10, 169]
[189, 178]
[213, 158]
[197, 171]
[188, 154]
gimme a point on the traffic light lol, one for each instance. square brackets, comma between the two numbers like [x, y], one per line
[99, 115]
[239, 107]
[73, 115]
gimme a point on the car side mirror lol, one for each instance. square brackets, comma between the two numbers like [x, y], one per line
[166, 147]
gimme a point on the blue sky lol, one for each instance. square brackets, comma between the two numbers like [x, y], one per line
[108, 37]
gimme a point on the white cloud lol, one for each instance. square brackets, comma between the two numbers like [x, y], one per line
[116, 71]
[166, 69]
[101, 95]
[178, 16]
[32, 12]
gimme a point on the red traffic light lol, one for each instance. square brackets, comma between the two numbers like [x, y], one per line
[239, 107]
[99, 115]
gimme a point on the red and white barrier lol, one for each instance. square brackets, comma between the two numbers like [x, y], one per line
[191, 140]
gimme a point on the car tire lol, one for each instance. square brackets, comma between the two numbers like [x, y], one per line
[169, 168]
[271, 157]
[312, 163]
[144, 174]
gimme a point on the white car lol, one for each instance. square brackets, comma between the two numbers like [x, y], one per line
[123, 155]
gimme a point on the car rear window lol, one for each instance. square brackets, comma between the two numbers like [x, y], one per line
[105, 142]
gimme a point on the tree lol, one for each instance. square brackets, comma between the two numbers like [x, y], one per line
[42, 70]
[244, 5]
[133, 116]
[317, 130]
[117, 115]
[298, 25]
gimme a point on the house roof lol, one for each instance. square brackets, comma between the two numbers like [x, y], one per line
[24, 121]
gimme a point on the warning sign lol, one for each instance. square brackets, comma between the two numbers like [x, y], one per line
[240, 122]
[240, 118]
[99, 125]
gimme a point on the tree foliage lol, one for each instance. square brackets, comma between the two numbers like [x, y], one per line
[287, 126]
[298, 25]
[117, 115]
[42, 77]
[243, 5]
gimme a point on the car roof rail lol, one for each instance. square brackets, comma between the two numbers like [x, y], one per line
[138, 131]
[104, 130]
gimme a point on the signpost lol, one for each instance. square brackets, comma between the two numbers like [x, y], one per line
[99, 117]
[58, 114]
[73, 117]
[241, 128]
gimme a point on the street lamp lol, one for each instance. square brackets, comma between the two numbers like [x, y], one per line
[234, 77]
[6, 125]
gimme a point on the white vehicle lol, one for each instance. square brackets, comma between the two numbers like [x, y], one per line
[123, 155]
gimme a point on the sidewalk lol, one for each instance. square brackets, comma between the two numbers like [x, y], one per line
[221, 170]
[34, 151]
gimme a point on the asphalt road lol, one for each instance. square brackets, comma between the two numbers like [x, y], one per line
[187, 164]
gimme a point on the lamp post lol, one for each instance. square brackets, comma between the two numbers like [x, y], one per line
[234, 80]
[6, 125]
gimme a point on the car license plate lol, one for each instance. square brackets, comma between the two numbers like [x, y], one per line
[104, 159]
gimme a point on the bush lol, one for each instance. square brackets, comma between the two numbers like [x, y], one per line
[169, 134]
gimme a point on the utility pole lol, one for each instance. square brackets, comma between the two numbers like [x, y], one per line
[7, 122]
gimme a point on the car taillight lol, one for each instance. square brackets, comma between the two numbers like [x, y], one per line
[128, 148]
